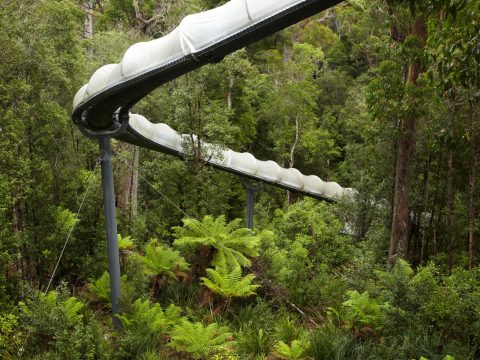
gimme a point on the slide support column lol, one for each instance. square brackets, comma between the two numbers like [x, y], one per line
[110, 226]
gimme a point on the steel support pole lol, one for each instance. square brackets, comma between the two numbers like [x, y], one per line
[110, 226]
[250, 208]
[251, 190]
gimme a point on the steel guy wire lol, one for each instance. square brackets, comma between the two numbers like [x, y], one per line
[125, 162]
[89, 183]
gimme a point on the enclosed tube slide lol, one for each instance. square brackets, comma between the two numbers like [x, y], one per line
[199, 39]
[163, 138]
[102, 105]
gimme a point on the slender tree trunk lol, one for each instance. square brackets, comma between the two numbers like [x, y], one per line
[134, 187]
[127, 193]
[399, 235]
[292, 153]
[450, 244]
[88, 7]
[425, 207]
[229, 95]
[471, 208]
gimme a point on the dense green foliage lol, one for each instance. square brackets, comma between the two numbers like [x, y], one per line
[376, 95]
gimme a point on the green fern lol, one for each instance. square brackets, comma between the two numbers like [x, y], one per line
[232, 243]
[70, 307]
[228, 282]
[361, 310]
[295, 351]
[147, 324]
[162, 261]
[125, 243]
[101, 286]
[201, 341]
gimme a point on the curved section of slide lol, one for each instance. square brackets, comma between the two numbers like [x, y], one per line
[200, 38]
[163, 138]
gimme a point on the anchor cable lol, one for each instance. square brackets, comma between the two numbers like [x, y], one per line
[89, 181]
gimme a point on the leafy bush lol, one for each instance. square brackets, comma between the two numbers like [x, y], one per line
[9, 338]
[360, 312]
[393, 285]
[307, 249]
[54, 325]
[448, 303]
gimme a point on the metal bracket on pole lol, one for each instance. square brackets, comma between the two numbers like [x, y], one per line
[251, 190]
[118, 126]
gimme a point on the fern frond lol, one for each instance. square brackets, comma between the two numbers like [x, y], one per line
[162, 261]
[72, 306]
[125, 243]
[101, 287]
[201, 341]
[295, 351]
[232, 243]
[147, 323]
[228, 282]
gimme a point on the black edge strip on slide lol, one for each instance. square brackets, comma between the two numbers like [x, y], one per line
[101, 107]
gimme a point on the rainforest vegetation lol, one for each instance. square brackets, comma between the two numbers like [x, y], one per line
[379, 95]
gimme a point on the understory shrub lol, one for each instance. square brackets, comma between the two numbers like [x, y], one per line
[55, 325]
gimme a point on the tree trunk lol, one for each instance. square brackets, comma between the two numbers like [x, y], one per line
[148, 25]
[88, 7]
[471, 208]
[450, 209]
[424, 215]
[399, 235]
[292, 154]
[229, 95]
[127, 193]
[450, 194]
[134, 188]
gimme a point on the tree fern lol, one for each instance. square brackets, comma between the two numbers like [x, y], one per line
[228, 282]
[232, 243]
[162, 261]
[201, 341]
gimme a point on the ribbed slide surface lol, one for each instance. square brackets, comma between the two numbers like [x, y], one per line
[168, 140]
